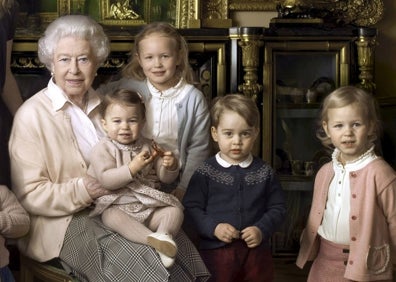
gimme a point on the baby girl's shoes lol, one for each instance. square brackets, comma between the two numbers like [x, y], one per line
[162, 243]
[165, 247]
[166, 261]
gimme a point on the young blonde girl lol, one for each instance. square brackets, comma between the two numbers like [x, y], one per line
[351, 229]
[177, 112]
[121, 162]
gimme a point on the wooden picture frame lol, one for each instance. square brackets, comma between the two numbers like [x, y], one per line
[123, 13]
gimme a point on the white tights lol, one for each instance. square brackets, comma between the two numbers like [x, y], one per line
[163, 220]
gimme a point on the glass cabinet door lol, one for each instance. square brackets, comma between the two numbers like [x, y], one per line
[297, 77]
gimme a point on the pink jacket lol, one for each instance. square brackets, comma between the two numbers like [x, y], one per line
[14, 221]
[372, 221]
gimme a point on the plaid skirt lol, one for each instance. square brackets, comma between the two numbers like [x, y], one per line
[93, 253]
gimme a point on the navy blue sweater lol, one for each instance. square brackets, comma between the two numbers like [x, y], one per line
[242, 197]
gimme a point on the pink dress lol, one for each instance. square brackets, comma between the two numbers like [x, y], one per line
[137, 196]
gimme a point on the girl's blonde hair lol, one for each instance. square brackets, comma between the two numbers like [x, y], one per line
[238, 103]
[345, 96]
[133, 68]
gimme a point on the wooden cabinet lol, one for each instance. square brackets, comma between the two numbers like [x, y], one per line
[298, 65]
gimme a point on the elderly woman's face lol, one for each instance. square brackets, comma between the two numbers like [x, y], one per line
[74, 66]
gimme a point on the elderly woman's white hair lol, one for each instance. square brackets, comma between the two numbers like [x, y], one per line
[79, 26]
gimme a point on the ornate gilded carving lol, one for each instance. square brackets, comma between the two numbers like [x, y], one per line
[26, 63]
[364, 12]
[187, 11]
[358, 12]
[215, 9]
[365, 48]
[215, 13]
[250, 43]
[63, 7]
[252, 5]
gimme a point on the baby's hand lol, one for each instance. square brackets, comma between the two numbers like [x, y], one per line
[140, 161]
[169, 161]
[158, 151]
[252, 236]
[226, 232]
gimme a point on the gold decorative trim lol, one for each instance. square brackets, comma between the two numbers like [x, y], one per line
[25, 62]
[365, 48]
[364, 13]
[250, 46]
[114, 13]
[221, 67]
[357, 12]
[215, 13]
[252, 5]
[63, 7]
[188, 12]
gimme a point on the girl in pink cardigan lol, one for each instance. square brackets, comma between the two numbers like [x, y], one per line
[351, 229]
[14, 223]
[123, 162]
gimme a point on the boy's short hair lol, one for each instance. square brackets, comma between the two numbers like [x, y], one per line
[238, 103]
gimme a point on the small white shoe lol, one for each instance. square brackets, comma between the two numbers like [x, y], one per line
[166, 261]
[162, 243]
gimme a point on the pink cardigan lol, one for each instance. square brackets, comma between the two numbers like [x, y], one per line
[14, 221]
[372, 221]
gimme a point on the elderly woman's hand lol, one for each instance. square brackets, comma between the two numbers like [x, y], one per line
[94, 188]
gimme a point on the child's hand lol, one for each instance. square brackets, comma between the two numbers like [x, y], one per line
[169, 161]
[178, 193]
[140, 161]
[226, 232]
[252, 236]
[157, 149]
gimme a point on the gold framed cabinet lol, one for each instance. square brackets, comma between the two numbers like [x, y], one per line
[296, 65]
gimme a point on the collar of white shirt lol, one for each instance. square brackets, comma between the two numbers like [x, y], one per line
[168, 93]
[226, 164]
[59, 98]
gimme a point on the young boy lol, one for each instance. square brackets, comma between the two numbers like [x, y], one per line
[234, 199]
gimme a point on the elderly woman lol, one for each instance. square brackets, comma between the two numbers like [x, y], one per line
[52, 136]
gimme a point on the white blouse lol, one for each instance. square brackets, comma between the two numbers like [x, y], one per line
[87, 135]
[161, 115]
[335, 223]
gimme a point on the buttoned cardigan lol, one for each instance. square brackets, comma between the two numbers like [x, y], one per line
[240, 196]
[372, 221]
[46, 170]
[14, 221]
[194, 140]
